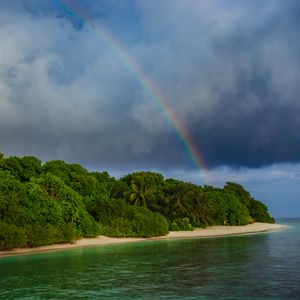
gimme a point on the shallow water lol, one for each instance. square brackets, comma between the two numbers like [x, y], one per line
[261, 266]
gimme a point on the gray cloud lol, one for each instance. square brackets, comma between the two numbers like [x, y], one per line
[240, 95]
[229, 68]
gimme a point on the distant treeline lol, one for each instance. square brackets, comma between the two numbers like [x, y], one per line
[57, 202]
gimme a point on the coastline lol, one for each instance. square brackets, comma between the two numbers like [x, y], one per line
[210, 232]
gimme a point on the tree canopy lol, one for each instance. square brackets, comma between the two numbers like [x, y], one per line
[57, 202]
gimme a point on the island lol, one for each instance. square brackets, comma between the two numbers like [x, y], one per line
[58, 203]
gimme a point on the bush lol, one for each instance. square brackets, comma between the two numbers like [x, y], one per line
[42, 235]
[46, 235]
[11, 236]
[121, 219]
[88, 226]
[69, 233]
[181, 225]
[60, 202]
[259, 212]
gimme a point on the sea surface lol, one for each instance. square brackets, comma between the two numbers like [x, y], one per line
[260, 266]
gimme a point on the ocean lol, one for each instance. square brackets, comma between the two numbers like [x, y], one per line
[257, 266]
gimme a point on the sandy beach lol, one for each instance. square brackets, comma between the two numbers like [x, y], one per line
[214, 231]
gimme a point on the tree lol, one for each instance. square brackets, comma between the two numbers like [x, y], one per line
[22, 168]
[144, 188]
[139, 194]
[60, 202]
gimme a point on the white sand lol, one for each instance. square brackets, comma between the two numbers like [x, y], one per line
[214, 231]
[218, 231]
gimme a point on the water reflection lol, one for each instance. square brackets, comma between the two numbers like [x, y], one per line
[245, 266]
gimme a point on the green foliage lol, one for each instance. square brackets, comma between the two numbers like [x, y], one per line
[22, 168]
[258, 211]
[181, 224]
[144, 189]
[46, 235]
[11, 236]
[74, 176]
[227, 208]
[139, 194]
[88, 227]
[59, 202]
[120, 219]
[107, 185]
[11, 192]
[40, 208]
[71, 203]
[186, 200]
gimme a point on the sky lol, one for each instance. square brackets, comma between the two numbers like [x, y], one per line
[72, 87]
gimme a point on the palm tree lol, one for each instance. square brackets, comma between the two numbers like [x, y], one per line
[189, 201]
[179, 204]
[139, 194]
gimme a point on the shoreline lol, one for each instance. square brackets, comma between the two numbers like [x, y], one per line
[210, 232]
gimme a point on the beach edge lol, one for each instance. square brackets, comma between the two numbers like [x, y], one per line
[209, 232]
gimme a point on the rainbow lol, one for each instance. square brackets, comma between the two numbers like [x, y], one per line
[148, 85]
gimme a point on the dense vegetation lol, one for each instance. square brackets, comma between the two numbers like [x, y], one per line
[57, 202]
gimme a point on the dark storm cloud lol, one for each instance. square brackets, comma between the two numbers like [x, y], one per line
[230, 69]
[241, 98]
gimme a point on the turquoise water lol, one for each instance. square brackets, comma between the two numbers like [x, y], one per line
[262, 266]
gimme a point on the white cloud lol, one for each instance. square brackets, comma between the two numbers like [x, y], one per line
[216, 61]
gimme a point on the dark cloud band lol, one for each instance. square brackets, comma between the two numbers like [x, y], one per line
[230, 69]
